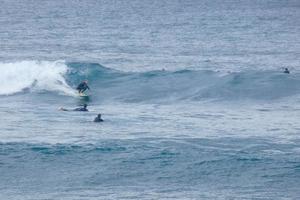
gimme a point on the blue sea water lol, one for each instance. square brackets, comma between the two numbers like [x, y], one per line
[194, 101]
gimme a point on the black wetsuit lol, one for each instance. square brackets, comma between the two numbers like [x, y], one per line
[98, 119]
[82, 87]
[81, 109]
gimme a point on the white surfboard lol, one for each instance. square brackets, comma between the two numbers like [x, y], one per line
[83, 95]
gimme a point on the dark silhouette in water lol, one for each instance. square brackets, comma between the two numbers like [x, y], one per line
[84, 108]
[98, 118]
[286, 70]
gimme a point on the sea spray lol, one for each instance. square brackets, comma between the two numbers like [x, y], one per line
[34, 76]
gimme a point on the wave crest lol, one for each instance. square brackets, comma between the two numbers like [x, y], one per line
[34, 75]
[152, 86]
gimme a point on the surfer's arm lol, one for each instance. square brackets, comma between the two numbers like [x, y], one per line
[63, 109]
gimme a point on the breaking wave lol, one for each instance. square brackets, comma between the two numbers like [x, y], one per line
[26, 76]
[109, 84]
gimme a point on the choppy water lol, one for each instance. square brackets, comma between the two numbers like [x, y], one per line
[192, 93]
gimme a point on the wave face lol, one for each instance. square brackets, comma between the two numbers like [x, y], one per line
[110, 84]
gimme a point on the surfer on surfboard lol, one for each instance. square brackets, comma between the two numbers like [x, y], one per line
[83, 86]
[83, 108]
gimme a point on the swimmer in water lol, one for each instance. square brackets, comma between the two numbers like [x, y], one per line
[98, 118]
[286, 71]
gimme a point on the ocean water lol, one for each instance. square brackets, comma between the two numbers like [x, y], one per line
[194, 101]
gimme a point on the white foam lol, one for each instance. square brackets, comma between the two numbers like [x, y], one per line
[34, 75]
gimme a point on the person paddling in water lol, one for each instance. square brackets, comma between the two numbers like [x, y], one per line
[83, 86]
[98, 118]
[83, 108]
[286, 71]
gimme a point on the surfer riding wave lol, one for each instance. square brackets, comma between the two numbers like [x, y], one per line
[83, 86]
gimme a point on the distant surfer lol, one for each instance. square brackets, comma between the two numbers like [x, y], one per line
[83, 86]
[286, 71]
[98, 118]
[83, 108]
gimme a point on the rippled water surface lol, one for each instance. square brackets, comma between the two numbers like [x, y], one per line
[194, 101]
